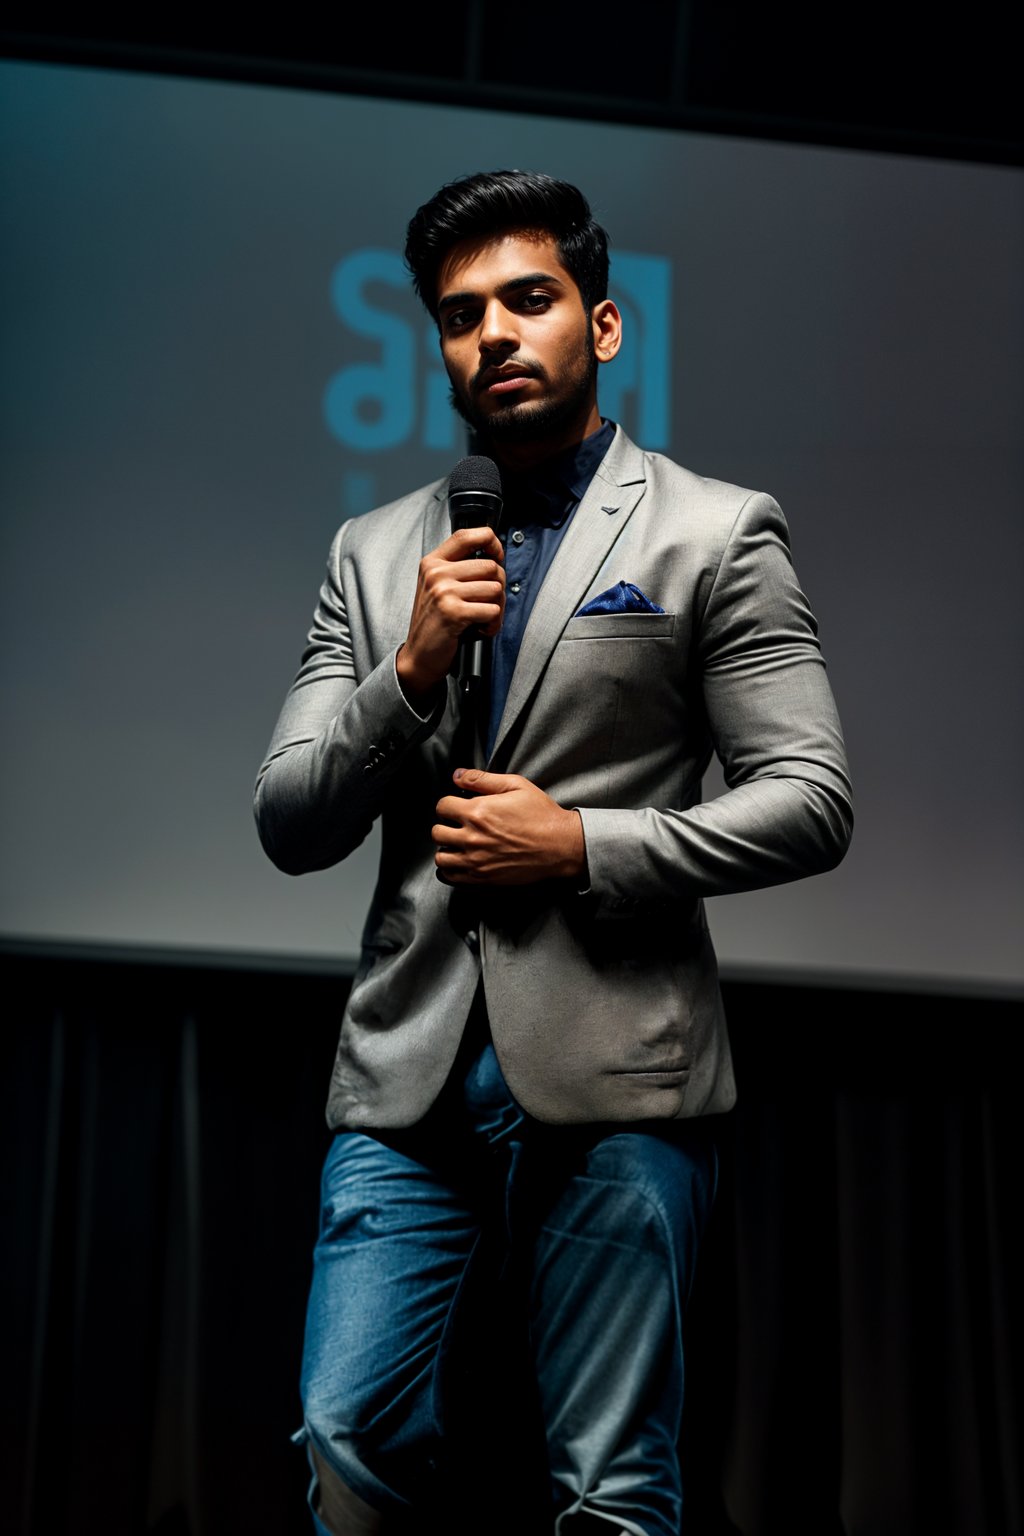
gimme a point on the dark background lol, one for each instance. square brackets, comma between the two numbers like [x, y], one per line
[896, 77]
[855, 1339]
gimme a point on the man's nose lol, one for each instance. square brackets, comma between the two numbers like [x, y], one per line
[498, 331]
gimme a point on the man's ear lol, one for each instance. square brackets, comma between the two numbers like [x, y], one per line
[607, 323]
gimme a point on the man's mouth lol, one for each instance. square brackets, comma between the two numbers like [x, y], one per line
[500, 381]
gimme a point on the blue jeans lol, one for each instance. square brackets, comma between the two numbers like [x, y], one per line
[444, 1248]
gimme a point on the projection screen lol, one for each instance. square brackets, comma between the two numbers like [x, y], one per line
[212, 356]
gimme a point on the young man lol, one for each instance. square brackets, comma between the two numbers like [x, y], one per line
[534, 1053]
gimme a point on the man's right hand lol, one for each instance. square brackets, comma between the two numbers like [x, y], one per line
[454, 592]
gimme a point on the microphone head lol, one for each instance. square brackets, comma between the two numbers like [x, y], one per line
[474, 493]
[475, 473]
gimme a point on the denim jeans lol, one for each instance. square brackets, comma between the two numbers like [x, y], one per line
[452, 1253]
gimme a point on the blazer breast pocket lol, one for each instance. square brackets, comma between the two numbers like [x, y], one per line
[620, 626]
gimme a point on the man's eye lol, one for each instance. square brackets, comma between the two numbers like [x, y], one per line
[459, 318]
[536, 300]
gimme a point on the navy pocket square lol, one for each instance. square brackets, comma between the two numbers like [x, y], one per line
[624, 598]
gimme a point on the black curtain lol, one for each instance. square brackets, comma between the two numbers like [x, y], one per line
[855, 1352]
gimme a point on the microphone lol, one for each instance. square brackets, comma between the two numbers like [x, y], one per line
[474, 498]
[474, 493]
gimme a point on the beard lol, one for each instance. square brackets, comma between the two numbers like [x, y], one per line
[535, 420]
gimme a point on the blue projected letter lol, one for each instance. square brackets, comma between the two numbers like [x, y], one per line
[641, 373]
[370, 406]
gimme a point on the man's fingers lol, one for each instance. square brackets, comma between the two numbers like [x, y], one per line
[481, 783]
[443, 834]
[452, 575]
[458, 606]
[446, 582]
[452, 848]
[477, 591]
[467, 541]
[468, 571]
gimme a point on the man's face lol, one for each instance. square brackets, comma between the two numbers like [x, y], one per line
[518, 346]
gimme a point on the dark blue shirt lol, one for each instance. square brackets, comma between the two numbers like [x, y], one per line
[538, 509]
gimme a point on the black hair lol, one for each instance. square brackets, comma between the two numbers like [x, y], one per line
[493, 202]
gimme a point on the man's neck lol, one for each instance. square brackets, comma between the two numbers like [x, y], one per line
[524, 456]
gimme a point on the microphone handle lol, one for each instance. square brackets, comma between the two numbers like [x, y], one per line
[471, 508]
[474, 509]
[471, 660]
[471, 648]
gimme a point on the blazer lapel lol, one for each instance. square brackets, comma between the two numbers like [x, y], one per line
[597, 522]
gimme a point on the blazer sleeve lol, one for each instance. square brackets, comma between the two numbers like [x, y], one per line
[338, 744]
[774, 726]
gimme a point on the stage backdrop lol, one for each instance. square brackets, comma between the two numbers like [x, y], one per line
[211, 357]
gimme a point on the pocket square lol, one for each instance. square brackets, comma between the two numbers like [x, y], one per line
[624, 598]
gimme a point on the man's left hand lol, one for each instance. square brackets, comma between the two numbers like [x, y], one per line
[509, 833]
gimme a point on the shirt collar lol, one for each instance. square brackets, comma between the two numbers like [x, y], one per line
[555, 487]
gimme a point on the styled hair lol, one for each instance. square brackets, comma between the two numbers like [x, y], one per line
[491, 203]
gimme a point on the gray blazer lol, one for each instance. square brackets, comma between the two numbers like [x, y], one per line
[604, 1004]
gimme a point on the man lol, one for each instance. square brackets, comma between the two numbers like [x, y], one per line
[533, 1052]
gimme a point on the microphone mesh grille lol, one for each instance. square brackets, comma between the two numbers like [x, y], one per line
[475, 473]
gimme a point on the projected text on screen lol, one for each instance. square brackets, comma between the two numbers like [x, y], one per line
[401, 396]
